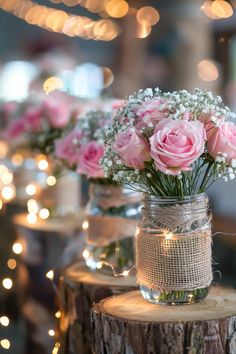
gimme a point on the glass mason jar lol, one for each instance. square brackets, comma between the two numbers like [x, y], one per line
[173, 249]
[112, 213]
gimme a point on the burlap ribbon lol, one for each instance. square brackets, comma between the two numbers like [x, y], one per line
[171, 260]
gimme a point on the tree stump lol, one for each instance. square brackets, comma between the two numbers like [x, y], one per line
[79, 289]
[43, 246]
[127, 324]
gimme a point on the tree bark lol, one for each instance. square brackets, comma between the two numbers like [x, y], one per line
[79, 290]
[127, 324]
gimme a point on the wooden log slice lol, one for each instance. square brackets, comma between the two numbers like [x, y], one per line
[80, 288]
[127, 324]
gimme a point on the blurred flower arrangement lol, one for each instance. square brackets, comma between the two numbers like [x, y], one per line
[110, 225]
[171, 144]
[38, 121]
[83, 147]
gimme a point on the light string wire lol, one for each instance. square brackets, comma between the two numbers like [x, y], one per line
[60, 21]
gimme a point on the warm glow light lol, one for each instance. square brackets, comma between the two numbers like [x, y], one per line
[86, 254]
[17, 160]
[44, 213]
[50, 274]
[217, 9]
[7, 283]
[143, 31]
[125, 273]
[32, 206]
[30, 189]
[85, 225]
[17, 247]
[32, 218]
[1, 204]
[4, 321]
[8, 192]
[43, 165]
[148, 16]
[168, 236]
[52, 83]
[108, 76]
[3, 149]
[58, 314]
[221, 9]
[11, 263]
[96, 5]
[56, 348]
[3, 170]
[207, 70]
[51, 181]
[51, 333]
[5, 343]
[117, 8]
[7, 178]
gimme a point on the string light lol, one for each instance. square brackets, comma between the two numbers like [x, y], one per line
[52, 83]
[8, 192]
[56, 348]
[117, 8]
[51, 333]
[148, 16]
[32, 206]
[4, 321]
[11, 263]
[50, 274]
[17, 160]
[58, 314]
[17, 247]
[85, 225]
[7, 283]
[44, 213]
[43, 165]
[51, 181]
[32, 218]
[61, 21]
[207, 70]
[5, 343]
[31, 189]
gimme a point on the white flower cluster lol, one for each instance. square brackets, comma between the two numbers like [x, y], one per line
[94, 126]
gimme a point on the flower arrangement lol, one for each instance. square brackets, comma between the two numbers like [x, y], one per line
[171, 144]
[40, 120]
[82, 148]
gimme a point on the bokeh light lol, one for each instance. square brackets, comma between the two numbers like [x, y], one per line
[148, 16]
[207, 70]
[52, 83]
[117, 8]
[7, 283]
[17, 247]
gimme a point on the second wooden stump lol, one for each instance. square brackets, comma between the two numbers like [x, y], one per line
[127, 324]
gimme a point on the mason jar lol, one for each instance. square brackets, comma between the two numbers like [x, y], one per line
[173, 249]
[112, 216]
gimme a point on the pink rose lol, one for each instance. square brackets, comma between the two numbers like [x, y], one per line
[176, 144]
[89, 157]
[223, 141]
[67, 148]
[15, 129]
[150, 112]
[58, 113]
[132, 148]
[33, 119]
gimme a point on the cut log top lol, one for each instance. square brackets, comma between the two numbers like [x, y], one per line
[78, 273]
[60, 224]
[220, 303]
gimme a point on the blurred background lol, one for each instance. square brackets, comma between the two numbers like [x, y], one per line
[93, 48]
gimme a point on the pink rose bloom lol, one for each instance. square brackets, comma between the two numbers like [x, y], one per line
[89, 157]
[149, 112]
[117, 104]
[33, 119]
[15, 129]
[210, 127]
[176, 144]
[132, 148]
[67, 148]
[58, 113]
[223, 141]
